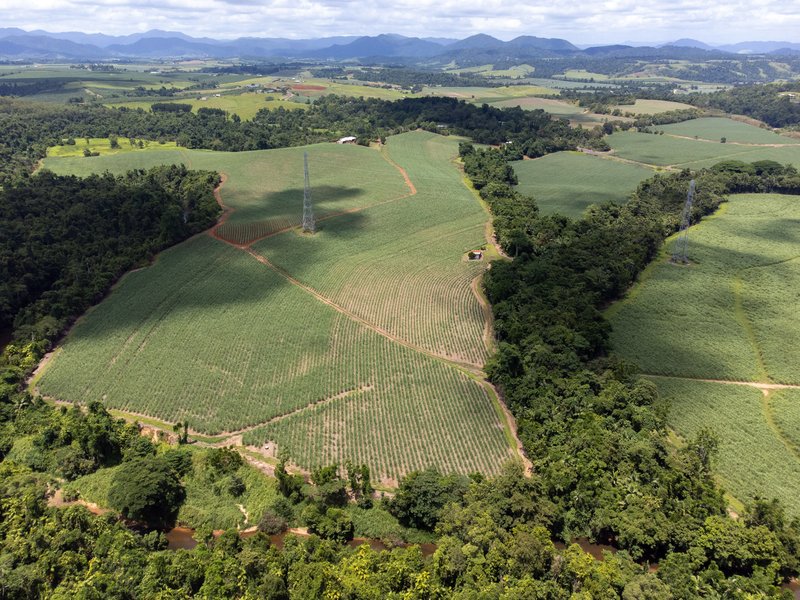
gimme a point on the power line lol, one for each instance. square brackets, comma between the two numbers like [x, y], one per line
[309, 224]
[680, 253]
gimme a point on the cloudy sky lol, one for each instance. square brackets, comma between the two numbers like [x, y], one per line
[713, 21]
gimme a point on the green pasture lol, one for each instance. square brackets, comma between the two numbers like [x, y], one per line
[652, 107]
[103, 147]
[341, 88]
[515, 72]
[730, 314]
[559, 108]
[715, 128]
[246, 105]
[489, 95]
[755, 458]
[667, 150]
[349, 338]
[568, 182]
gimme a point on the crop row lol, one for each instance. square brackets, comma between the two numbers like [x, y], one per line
[733, 307]
[413, 412]
[752, 459]
[400, 265]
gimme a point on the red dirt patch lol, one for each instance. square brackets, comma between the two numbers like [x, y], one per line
[310, 88]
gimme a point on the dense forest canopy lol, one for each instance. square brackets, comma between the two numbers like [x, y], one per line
[65, 240]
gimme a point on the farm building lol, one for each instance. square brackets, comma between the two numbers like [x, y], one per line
[350, 139]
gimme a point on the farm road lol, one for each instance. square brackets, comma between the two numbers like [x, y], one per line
[763, 386]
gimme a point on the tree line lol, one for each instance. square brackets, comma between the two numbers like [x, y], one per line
[595, 432]
[64, 240]
[27, 129]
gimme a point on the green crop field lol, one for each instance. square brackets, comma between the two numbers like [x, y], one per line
[344, 176]
[730, 315]
[715, 128]
[784, 410]
[489, 95]
[568, 182]
[360, 342]
[667, 150]
[407, 276]
[755, 458]
[736, 299]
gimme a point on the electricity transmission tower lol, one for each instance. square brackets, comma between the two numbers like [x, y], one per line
[680, 253]
[309, 224]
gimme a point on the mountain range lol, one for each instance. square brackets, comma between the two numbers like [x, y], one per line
[18, 44]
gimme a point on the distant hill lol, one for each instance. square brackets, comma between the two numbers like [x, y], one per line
[603, 50]
[37, 46]
[786, 52]
[480, 41]
[18, 44]
[441, 41]
[385, 45]
[758, 47]
[690, 43]
[170, 47]
[553, 44]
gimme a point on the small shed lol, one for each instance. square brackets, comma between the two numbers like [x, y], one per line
[475, 254]
[350, 139]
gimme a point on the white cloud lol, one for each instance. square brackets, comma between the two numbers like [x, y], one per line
[578, 21]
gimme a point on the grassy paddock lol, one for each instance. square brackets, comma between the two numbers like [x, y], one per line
[102, 146]
[204, 506]
[568, 182]
[652, 107]
[715, 128]
[245, 105]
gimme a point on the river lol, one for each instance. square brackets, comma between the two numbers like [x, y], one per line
[182, 538]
